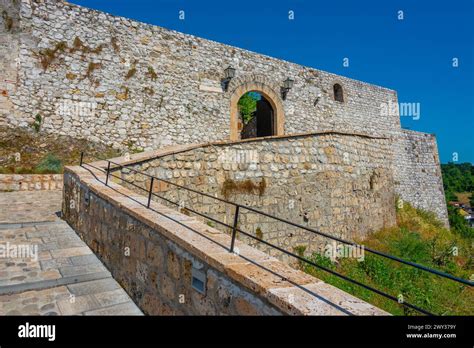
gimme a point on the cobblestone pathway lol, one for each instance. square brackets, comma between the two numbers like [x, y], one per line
[65, 278]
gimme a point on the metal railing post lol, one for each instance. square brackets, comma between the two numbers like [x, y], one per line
[107, 174]
[150, 192]
[234, 229]
[82, 157]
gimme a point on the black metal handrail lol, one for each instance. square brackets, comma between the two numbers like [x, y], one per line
[235, 229]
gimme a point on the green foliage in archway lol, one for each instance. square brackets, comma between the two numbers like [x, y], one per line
[248, 105]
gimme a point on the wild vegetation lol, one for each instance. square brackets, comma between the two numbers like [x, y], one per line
[49, 55]
[457, 179]
[418, 237]
[458, 182]
[24, 151]
[151, 73]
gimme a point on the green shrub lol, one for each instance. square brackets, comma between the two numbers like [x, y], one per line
[458, 224]
[419, 238]
[248, 106]
[37, 123]
[49, 165]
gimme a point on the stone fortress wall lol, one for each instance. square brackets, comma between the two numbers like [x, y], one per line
[417, 172]
[9, 57]
[132, 85]
[111, 66]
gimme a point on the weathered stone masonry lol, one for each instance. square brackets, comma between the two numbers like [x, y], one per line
[187, 105]
[30, 182]
[9, 57]
[418, 173]
[167, 248]
[336, 183]
[133, 85]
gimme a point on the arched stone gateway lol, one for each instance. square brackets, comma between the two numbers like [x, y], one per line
[267, 92]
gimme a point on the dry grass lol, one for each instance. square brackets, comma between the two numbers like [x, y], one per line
[124, 94]
[131, 73]
[78, 45]
[91, 68]
[115, 45]
[8, 21]
[246, 187]
[48, 55]
[33, 147]
[463, 197]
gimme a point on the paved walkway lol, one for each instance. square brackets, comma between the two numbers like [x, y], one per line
[45, 268]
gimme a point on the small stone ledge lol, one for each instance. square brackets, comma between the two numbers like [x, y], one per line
[288, 290]
[30, 182]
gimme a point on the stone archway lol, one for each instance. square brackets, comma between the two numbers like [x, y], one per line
[269, 94]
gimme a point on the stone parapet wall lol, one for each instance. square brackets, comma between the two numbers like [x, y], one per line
[157, 254]
[30, 182]
[340, 184]
[417, 173]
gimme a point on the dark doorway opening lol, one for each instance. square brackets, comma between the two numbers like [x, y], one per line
[257, 115]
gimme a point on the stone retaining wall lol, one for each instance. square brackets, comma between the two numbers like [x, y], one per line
[30, 182]
[173, 264]
[339, 184]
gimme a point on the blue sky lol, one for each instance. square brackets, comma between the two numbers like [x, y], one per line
[413, 56]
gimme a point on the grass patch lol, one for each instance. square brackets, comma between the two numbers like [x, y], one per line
[91, 68]
[78, 45]
[25, 151]
[71, 76]
[48, 55]
[149, 90]
[124, 94]
[421, 238]
[49, 165]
